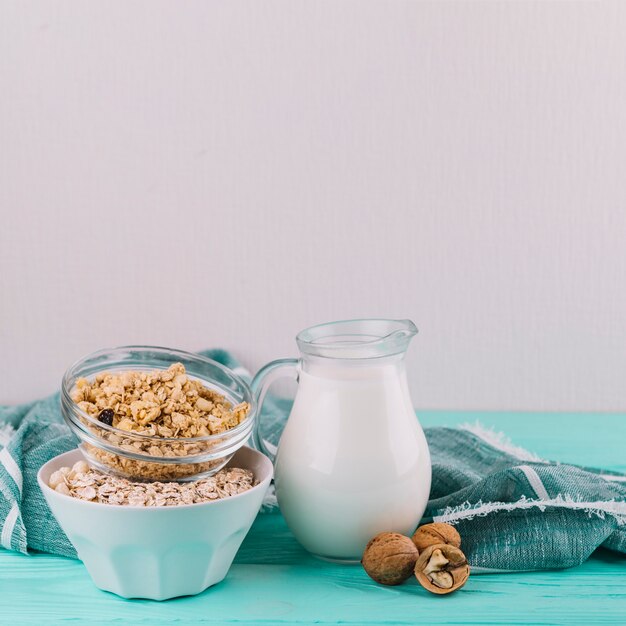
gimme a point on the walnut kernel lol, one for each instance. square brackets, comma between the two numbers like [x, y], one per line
[442, 568]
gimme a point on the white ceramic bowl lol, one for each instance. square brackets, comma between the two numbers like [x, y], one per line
[158, 552]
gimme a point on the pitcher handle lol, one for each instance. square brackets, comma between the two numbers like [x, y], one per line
[260, 384]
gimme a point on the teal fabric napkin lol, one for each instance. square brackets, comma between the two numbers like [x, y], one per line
[515, 512]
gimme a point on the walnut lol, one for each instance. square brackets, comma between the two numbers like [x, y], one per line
[389, 558]
[442, 568]
[430, 534]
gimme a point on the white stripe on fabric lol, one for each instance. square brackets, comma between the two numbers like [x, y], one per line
[9, 525]
[5, 490]
[271, 448]
[535, 482]
[11, 467]
[6, 432]
[600, 508]
[615, 479]
[241, 371]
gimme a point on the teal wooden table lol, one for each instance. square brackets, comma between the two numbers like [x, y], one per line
[274, 581]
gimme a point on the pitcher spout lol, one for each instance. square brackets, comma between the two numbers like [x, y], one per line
[406, 329]
[357, 339]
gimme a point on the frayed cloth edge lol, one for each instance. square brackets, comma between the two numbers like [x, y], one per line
[468, 511]
[501, 442]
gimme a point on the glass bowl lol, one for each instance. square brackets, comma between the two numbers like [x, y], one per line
[146, 457]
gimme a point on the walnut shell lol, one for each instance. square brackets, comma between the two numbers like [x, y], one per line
[442, 568]
[431, 534]
[390, 558]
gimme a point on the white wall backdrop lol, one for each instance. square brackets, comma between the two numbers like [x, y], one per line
[227, 173]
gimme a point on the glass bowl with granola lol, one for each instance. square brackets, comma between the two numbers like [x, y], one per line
[149, 413]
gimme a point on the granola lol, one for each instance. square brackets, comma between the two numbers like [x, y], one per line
[86, 483]
[149, 470]
[152, 408]
[159, 403]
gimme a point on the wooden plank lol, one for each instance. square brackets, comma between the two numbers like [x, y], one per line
[275, 581]
[44, 589]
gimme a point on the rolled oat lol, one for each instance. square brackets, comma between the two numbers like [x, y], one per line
[89, 484]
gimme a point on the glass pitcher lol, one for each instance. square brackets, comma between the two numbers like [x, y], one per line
[352, 460]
